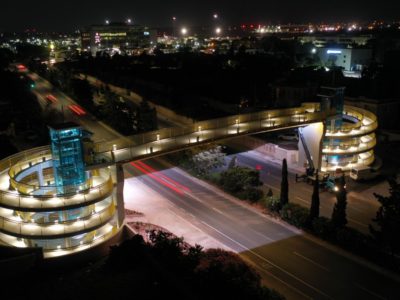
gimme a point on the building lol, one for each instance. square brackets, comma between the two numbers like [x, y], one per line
[350, 59]
[117, 37]
[320, 40]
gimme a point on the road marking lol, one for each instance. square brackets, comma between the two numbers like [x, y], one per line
[190, 194]
[263, 235]
[271, 187]
[358, 223]
[270, 262]
[217, 210]
[266, 266]
[302, 200]
[369, 292]
[277, 278]
[311, 261]
[183, 219]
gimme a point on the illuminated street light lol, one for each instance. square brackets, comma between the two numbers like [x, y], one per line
[173, 18]
[107, 22]
[184, 31]
[129, 21]
[218, 30]
[215, 16]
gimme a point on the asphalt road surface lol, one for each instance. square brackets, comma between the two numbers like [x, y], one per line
[361, 204]
[289, 261]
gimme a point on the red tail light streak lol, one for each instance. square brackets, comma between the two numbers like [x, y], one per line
[77, 110]
[160, 178]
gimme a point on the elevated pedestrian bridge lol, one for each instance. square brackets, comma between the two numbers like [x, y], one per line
[170, 140]
[33, 213]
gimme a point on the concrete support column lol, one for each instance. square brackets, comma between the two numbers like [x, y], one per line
[120, 194]
[321, 147]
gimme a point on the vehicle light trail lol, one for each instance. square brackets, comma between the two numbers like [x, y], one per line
[149, 168]
[159, 180]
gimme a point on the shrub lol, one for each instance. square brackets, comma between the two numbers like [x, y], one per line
[252, 194]
[351, 239]
[273, 204]
[322, 227]
[295, 214]
[238, 179]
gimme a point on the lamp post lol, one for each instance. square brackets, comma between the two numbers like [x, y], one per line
[174, 26]
[184, 32]
[198, 137]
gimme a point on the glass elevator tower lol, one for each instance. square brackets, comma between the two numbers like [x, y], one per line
[68, 159]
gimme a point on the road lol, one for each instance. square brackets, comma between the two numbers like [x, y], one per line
[361, 207]
[101, 132]
[288, 260]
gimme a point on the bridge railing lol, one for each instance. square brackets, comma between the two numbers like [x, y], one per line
[172, 139]
[35, 229]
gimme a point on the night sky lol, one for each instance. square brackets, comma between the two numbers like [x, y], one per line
[72, 14]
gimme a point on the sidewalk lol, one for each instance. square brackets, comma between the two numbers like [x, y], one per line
[316, 240]
[156, 210]
[292, 168]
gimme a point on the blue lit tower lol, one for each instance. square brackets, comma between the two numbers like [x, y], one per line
[68, 159]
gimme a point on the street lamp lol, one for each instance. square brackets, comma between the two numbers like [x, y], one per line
[215, 16]
[129, 21]
[198, 137]
[184, 31]
[218, 30]
[107, 22]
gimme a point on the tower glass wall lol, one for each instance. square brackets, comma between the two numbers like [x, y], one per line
[68, 160]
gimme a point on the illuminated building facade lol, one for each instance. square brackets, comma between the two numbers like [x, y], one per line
[350, 59]
[117, 37]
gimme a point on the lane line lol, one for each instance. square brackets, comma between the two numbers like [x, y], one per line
[369, 292]
[217, 210]
[357, 222]
[311, 261]
[302, 200]
[264, 236]
[263, 269]
[270, 262]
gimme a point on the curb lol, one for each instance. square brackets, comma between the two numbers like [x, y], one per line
[322, 243]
